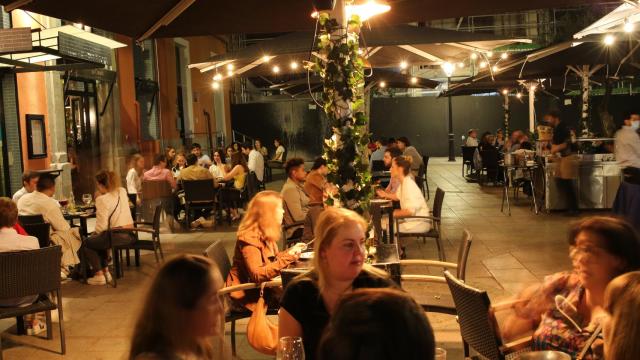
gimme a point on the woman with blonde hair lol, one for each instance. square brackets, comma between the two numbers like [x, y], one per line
[622, 330]
[310, 300]
[256, 256]
[112, 212]
[181, 312]
[134, 176]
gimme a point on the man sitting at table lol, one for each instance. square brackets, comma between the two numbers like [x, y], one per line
[378, 154]
[203, 159]
[193, 171]
[159, 171]
[392, 187]
[296, 199]
[41, 202]
[29, 181]
[255, 161]
[411, 151]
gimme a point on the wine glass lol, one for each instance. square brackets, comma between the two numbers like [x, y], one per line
[290, 348]
[87, 199]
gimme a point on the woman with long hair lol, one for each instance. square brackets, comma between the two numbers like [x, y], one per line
[256, 256]
[170, 155]
[134, 175]
[622, 330]
[218, 169]
[230, 195]
[179, 163]
[112, 212]
[181, 312]
[338, 268]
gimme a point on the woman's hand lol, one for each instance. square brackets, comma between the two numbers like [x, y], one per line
[296, 249]
[381, 193]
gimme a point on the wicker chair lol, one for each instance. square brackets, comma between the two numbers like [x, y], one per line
[217, 253]
[198, 195]
[40, 230]
[32, 272]
[436, 230]
[478, 324]
[154, 245]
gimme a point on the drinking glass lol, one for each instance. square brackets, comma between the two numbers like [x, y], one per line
[441, 354]
[290, 348]
[87, 199]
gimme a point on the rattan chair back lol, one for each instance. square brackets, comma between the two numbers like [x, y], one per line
[30, 219]
[217, 253]
[437, 203]
[42, 231]
[30, 272]
[463, 254]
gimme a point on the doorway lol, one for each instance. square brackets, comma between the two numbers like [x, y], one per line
[83, 134]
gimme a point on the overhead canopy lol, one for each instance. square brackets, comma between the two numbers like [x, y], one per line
[172, 18]
[614, 21]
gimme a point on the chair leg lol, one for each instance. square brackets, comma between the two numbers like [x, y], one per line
[128, 257]
[49, 326]
[63, 344]
[233, 338]
[441, 254]
[160, 248]
[20, 326]
[136, 254]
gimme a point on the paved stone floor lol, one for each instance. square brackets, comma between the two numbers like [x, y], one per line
[508, 253]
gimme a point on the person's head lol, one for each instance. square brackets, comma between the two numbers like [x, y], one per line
[294, 168]
[257, 144]
[473, 133]
[8, 212]
[181, 311]
[218, 157]
[515, 136]
[632, 119]
[246, 148]
[137, 162]
[230, 151]
[196, 149]
[523, 138]
[485, 137]
[622, 330]
[389, 154]
[381, 142]
[339, 246]
[373, 323]
[264, 213]
[552, 118]
[320, 166]
[401, 167]
[238, 159]
[603, 247]
[46, 184]
[160, 160]
[181, 160]
[392, 142]
[30, 180]
[107, 181]
[403, 142]
[236, 147]
[192, 159]
[170, 153]
[277, 142]
[499, 134]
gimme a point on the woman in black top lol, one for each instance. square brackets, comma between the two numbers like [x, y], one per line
[338, 268]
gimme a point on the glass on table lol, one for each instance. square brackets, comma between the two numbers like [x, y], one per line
[441, 354]
[290, 348]
[87, 199]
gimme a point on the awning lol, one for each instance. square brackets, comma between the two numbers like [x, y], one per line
[614, 21]
[173, 18]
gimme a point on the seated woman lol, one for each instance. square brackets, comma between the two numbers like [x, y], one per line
[181, 312]
[256, 257]
[180, 162]
[112, 212]
[134, 176]
[218, 169]
[338, 268]
[372, 324]
[230, 195]
[566, 310]
[621, 331]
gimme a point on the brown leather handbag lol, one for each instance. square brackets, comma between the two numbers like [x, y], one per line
[261, 333]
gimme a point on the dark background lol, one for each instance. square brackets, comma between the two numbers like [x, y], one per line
[423, 120]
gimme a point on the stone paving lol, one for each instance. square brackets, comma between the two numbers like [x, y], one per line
[507, 254]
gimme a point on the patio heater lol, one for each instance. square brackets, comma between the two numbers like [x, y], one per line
[448, 70]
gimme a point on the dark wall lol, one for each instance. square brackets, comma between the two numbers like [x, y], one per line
[301, 129]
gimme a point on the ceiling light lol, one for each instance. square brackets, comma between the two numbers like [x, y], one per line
[448, 68]
[474, 56]
[504, 56]
[505, 92]
[460, 65]
[382, 84]
[229, 67]
[483, 64]
[414, 80]
[403, 65]
[628, 26]
[315, 14]
[367, 10]
[276, 69]
[490, 54]
[609, 40]
[294, 65]
[217, 77]
[495, 68]
[266, 58]
[215, 85]
[519, 95]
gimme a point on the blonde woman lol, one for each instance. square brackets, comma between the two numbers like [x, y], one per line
[181, 312]
[134, 176]
[622, 330]
[310, 300]
[256, 257]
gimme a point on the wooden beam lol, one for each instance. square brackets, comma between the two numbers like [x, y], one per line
[419, 52]
[16, 4]
[167, 18]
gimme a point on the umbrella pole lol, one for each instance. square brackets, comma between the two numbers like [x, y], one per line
[532, 108]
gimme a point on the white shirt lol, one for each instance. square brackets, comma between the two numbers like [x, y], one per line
[411, 199]
[627, 147]
[216, 172]
[134, 183]
[37, 203]
[471, 142]
[256, 164]
[105, 206]
[19, 194]
[10, 240]
[279, 153]
[204, 160]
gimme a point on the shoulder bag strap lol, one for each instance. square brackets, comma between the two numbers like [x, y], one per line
[113, 212]
[590, 341]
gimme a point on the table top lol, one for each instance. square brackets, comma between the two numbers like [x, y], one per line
[383, 254]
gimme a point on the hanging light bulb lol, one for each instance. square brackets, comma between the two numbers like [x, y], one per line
[403, 65]
[495, 68]
[382, 84]
[215, 85]
[504, 56]
[293, 65]
[360, 52]
[461, 65]
[505, 92]
[367, 10]
[414, 80]
[609, 40]
[217, 77]
[275, 69]
[448, 68]
[490, 54]
[483, 64]
[519, 95]
[230, 73]
[474, 56]
[230, 67]
[266, 58]
[628, 26]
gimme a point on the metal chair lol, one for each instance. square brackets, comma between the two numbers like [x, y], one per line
[478, 324]
[420, 178]
[425, 161]
[198, 195]
[32, 272]
[436, 230]
[152, 228]
[217, 253]
[30, 219]
[489, 170]
[42, 231]
[467, 159]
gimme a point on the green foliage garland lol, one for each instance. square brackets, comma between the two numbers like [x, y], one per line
[341, 68]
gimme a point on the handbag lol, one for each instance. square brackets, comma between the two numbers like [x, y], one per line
[262, 333]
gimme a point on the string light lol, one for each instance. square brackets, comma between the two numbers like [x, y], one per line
[367, 10]
[266, 58]
[294, 65]
[483, 64]
[628, 26]
[495, 68]
[448, 68]
[230, 67]
[519, 95]
[215, 85]
[474, 56]
[230, 73]
[276, 69]
[360, 52]
[609, 40]
[505, 92]
[382, 84]
[414, 80]
[217, 77]
[504, 56]
[490, 54]
[315, 14]
[460, 65]
[403, 65]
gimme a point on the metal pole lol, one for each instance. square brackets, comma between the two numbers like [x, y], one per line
[452, 155]
[532, 109]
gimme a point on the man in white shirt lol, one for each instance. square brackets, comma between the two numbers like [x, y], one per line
[203, 159]
[41, 202]
[627, 149]
[255, 162]
[29, 181]
[378, 155]
[472, 139]
[627, 143]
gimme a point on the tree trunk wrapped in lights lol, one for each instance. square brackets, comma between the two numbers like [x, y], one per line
[341, 68]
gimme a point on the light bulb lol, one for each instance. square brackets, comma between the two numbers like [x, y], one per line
[403, 65]
[628, 26]
[474, 56]
[490, 54]
[294, 65]
[230, 73]
[504, 56]
[230, 67]
[494, 68]
[414, 80]
[217, 77]
[382, 84]
[215, 85]
[460, 65]
[276, 69]
[609, 40]
[483, 64]
[505, 92]
[367, 10]
[448, 68]
[315, 14]
[519, 95]
[266, 58]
